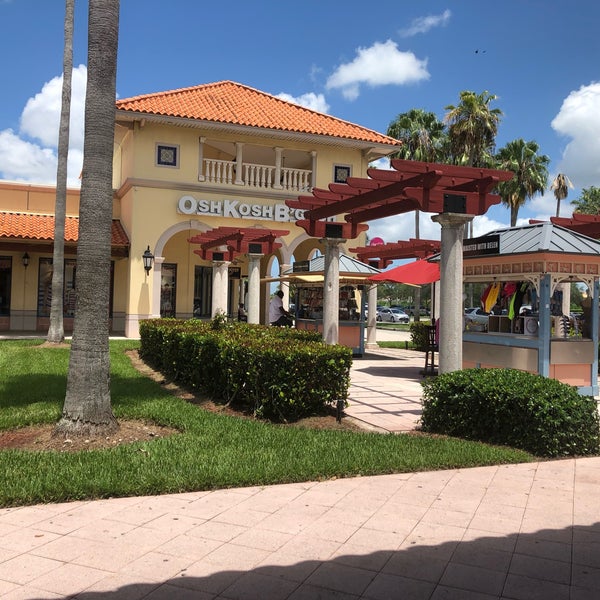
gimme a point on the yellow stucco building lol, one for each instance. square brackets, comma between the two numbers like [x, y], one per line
[186, 162]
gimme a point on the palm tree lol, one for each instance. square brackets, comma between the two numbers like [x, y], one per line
[560, 185]
[531, 174]
[422, 134]
[56, 332]
[589, 202]
[87, 407]
[472, 128]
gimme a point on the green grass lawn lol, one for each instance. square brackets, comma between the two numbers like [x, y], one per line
[212, 451]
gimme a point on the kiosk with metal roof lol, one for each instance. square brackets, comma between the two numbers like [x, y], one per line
[538, 258]
[308, 277]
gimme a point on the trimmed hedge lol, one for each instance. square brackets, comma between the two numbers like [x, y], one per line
[276, 372]
[508, 407]
[419, 335]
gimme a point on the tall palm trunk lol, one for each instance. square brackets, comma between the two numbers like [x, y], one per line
[560, 185]
[56, 332]
[87, 407]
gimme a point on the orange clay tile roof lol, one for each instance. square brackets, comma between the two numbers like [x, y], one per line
[232, 103]
[41, 227]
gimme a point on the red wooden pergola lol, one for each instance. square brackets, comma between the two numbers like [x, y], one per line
[236, 240]
[409, 185]
[456, 193]
[579, 223]
[382, 255]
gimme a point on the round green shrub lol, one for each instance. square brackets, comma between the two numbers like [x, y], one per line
[513, 408]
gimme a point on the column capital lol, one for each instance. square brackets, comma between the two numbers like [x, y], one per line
[332, 242]
[452, 219]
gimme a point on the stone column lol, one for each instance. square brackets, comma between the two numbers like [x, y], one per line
[253, 307]
[331, 291]
[277, 183]
[201, 141]
[285, 286]
[565, 288]
[220, 283]
[435, 300]
[371, 318]
[239, 176]
[313, 167]
[451, 283]
[156, 287]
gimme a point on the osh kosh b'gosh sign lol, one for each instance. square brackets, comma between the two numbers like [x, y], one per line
[234, 209]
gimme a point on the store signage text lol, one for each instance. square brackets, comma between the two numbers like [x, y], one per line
[489, 244]
[234, 209]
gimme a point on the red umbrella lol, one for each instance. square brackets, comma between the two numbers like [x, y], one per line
[419, 272]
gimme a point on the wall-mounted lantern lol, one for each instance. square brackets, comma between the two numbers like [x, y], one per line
[148, 259]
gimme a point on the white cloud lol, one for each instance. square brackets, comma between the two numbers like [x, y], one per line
[424, 24]
[402, 227]
[579, 119]
[483, 224]
[25, 161]
[381, 64]
[30, 154]
[309, 100]
[381, 163]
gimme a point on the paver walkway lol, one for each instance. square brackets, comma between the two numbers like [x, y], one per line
[520, 532]
[385, 389]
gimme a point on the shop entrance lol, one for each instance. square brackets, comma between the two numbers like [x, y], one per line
[5, 277]
[202, 291]
[168, 289]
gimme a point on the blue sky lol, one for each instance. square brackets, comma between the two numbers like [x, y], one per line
[356, 61]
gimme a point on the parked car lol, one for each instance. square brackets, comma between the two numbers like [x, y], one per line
[410, 310]
[377, 308]
[476, 315]
[400, 315]
[392, 315]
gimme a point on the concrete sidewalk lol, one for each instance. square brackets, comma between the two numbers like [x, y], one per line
[527, 532]
[385, 389]
[521, 532]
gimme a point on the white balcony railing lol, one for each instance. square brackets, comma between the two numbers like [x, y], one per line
[296, 180]
[257, 176]
[218, 171]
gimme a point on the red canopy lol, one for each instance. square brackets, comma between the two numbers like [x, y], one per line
[418, 272]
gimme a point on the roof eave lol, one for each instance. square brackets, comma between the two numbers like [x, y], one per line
[369, 148]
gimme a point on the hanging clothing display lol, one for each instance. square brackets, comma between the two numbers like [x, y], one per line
[517, 299]
[484, 295]
[492, 296]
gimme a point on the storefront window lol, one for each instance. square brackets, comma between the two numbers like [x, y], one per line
[168, 288]
[45, 288]
[202, 291]
[5, 272]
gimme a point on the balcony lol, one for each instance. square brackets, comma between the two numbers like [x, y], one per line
[256, 176]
